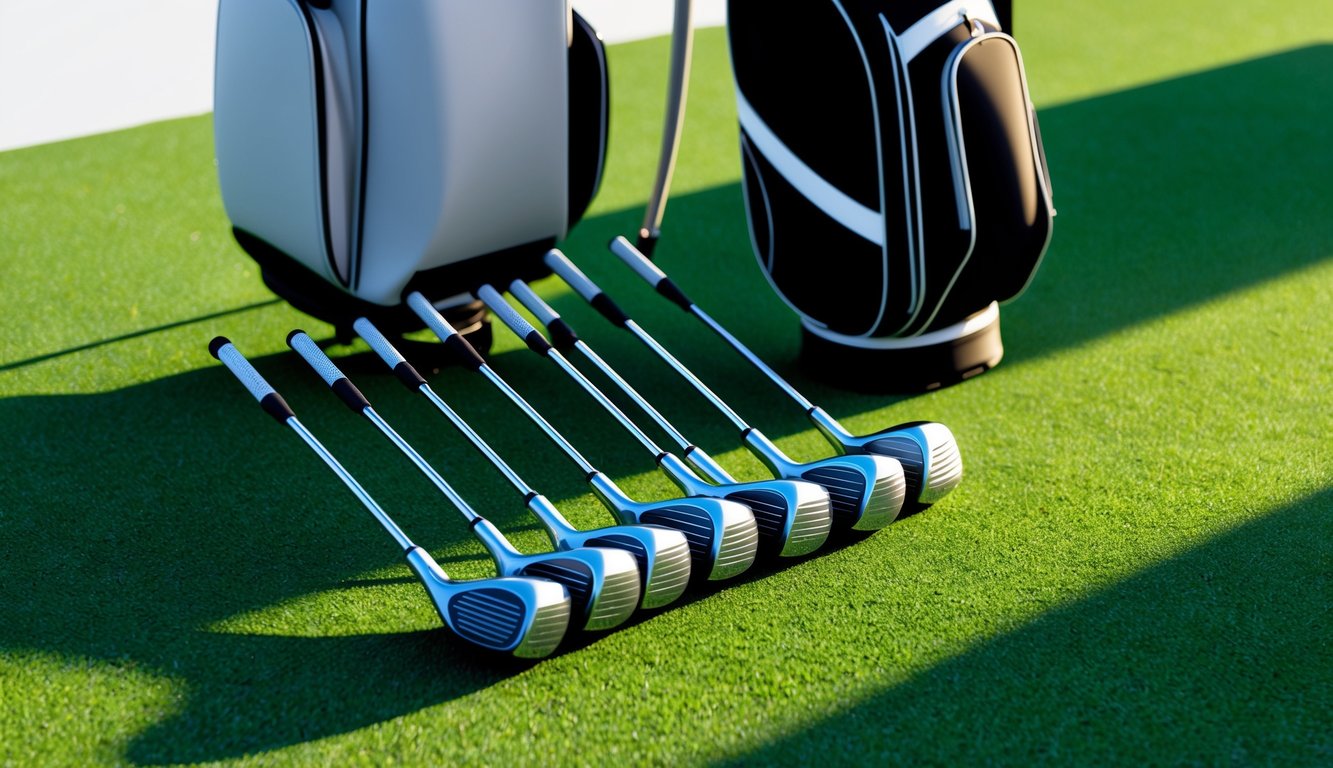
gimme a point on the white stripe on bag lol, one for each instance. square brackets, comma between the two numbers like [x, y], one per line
[865, 222]
[941, 20]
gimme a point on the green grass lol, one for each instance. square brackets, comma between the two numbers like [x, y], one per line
[1135, 570]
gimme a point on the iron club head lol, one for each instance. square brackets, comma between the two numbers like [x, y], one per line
[662, 554]
[527, 617]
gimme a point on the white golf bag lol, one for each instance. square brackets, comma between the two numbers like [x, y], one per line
[369, 149]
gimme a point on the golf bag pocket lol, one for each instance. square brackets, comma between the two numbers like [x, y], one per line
[999, 176]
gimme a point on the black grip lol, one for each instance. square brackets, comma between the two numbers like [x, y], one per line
[562, 336]
[463, 351]
[674, 294]
[408, 375]
[609, 309]
[537, 342]
[350, 395]
[273, 404]
[217, 344]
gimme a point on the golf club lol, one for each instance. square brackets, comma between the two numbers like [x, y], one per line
[603, 584]
[663, 555]
[794, 516]
[866, 491]
[527, 617]
[932, 462]
[722, 534]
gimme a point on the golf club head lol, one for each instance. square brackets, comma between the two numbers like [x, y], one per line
[866, 491]
[603, 583]
[525, 617]
[928, 451]
[722, 535]
[662, 556]
[793, 516]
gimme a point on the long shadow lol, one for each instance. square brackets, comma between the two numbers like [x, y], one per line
[147, 515]
[1169, 195]
[137, 334]
[1217, 656]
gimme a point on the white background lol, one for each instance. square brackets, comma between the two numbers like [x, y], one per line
[76, 67]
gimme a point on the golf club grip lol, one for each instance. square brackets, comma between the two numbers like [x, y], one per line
[388, 353]
[268, 397]
[310, 352]
[649, 272]
[544, 312]
[463, 351]
[511, 318]
[572, 275]
[585, 287]
[562, 334]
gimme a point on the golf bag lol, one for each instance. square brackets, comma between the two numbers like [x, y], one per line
[894, 180]
[369, 149]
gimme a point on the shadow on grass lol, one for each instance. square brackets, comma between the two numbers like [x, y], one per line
[1217, 656]
[1169, 195]
[147, 515]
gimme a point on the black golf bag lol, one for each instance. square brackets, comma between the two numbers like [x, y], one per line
[894, 180]
[369, 149]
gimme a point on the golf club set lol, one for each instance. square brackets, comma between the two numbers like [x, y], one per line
[595, 580]
[373, 154]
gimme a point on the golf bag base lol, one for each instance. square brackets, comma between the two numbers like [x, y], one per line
[299, 287]
[905, 366]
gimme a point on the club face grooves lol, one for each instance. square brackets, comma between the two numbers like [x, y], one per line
[717, 554]
[492, 618]
[770, 512]
[810, 528]
[576, 577]
[884, 503]
[695, 524]
[619, 598]
[946, 471]
[907, 451]
[546, 631]
[740, 545]
[664, 573]
[846, 488]
[788, 525]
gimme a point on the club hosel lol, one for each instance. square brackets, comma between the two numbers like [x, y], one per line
[706, 467]
[680, 473]
[606, 490]
[557, 527]
[765, 450]
[830, 427]
[491, 538]
[424, 566]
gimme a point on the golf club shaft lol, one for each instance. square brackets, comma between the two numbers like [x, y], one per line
[524, 330]
[269, 398]
[320, 362]
[547, 316]
[441, 328]
[582, 285]
[655, 277]
[556, 524]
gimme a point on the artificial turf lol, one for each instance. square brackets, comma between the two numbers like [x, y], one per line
[1135, 569]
